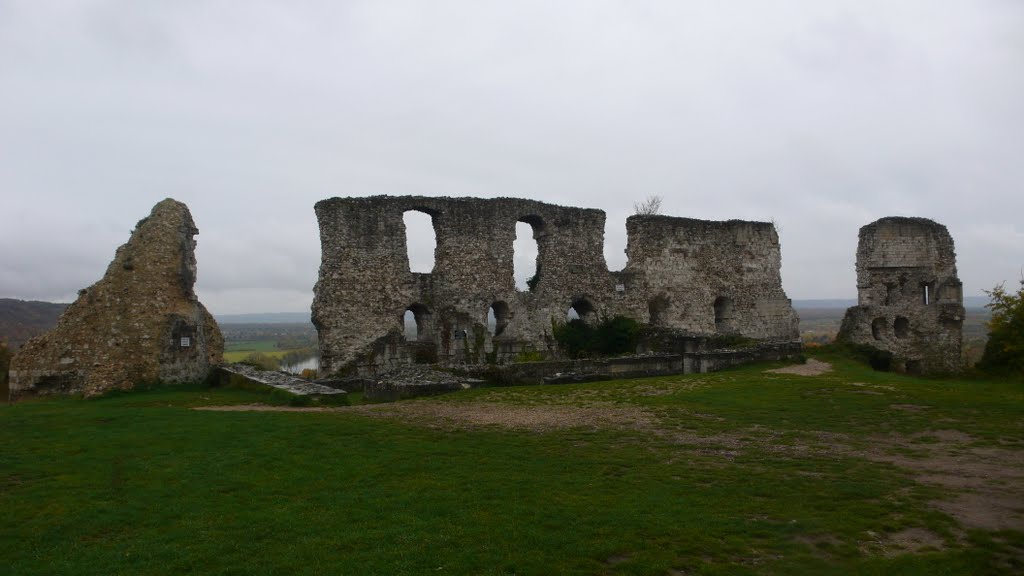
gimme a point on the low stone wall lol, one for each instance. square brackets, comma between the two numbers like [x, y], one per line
[389, 390]
[714, 360]
[412, 381]
[589, 370]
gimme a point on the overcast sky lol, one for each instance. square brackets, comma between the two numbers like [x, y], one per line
[820, 115]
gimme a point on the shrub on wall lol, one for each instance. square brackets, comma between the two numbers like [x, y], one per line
[5, 362]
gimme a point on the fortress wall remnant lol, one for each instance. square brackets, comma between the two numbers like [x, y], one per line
[141, 322]
[910, 301]
[365, 284]
[711, 277]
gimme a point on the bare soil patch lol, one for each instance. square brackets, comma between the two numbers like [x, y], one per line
[986, 484]
[538, 418]
[906, 541]
[811, 368]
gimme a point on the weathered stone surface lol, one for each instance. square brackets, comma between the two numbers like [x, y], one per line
[694, 276]
[909, 299]
[141, 323]
[413, 382]
[280, 380]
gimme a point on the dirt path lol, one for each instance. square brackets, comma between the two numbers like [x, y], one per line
[811, 368]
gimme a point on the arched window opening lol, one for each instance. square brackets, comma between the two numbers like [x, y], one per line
[526, 270]
[723, 313]
[409, 324]
[901, 327]
[878, 326]
[657, 308]
[497, 318]
[926, 293]
[420, 240]
[416, 323]
[580, 309]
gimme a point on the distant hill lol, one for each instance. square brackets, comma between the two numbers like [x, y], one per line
[264, 318]
[844, 303]
[23, 319]
[838, 303]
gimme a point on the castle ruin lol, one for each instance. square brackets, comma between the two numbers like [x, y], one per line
[692, 277]
[142, 322]
[909, 299]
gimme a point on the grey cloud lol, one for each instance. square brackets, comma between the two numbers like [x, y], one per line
[821, 116]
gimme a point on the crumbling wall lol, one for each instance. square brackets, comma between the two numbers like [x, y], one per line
[365, 285]
[910, 301]
[708, 277]
[142, 322]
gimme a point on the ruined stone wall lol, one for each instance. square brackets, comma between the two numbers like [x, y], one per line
[708, 277]
[910, 301]
[365, 286]
[142, 322]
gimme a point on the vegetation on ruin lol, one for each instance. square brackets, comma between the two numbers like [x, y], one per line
[611, 337]
[880, 360]
[650, 206]
[532, 281]
[1004, 351]
[5, 362]
[731, 341]
[737, 472]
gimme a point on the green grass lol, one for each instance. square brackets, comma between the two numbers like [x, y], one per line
[237, 351]
[138, 483]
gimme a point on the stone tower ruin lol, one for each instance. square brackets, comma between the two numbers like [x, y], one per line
[141, 323]
[690, 276]
[909, 299]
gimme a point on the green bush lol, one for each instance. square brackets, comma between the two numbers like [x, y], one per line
[731, 341]
[532, 281]
[1004, 351]
[619, 335]
[5, 362]
[530, 356]
[880, 360]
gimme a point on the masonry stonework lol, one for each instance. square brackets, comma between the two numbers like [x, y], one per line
[909, 299]
[142, 322]
[694, 277]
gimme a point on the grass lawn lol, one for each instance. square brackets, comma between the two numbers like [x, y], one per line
[738, 472]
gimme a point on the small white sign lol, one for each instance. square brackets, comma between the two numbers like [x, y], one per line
[186, 341]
